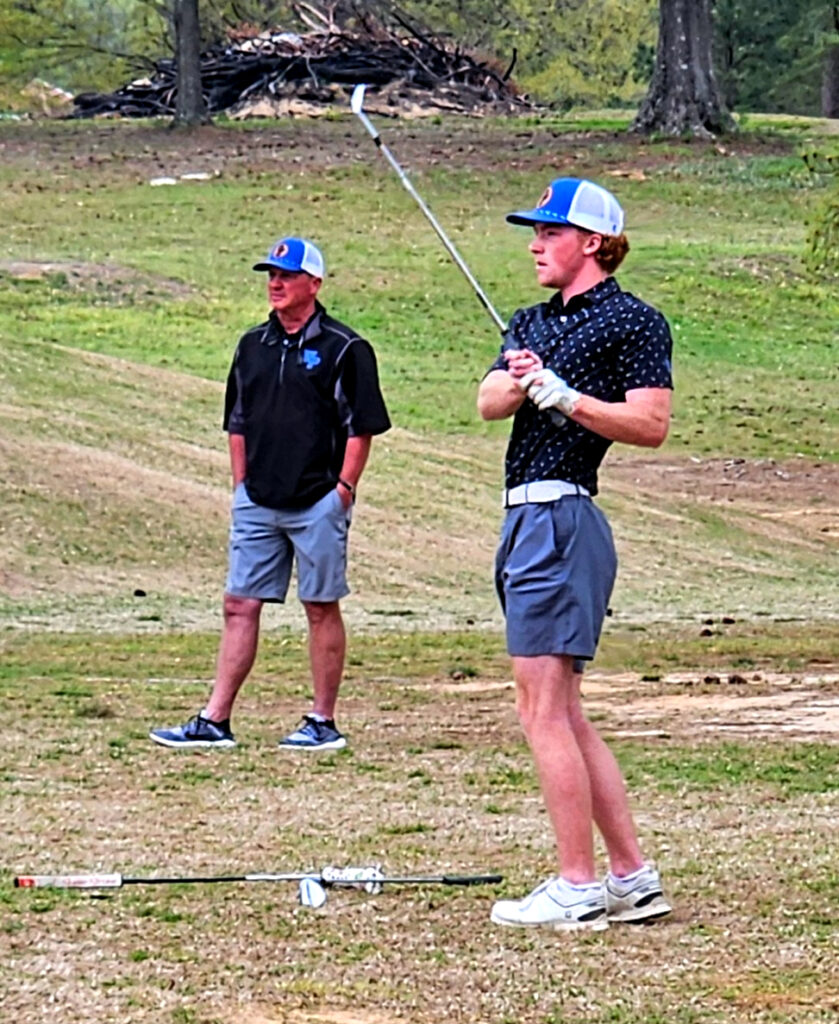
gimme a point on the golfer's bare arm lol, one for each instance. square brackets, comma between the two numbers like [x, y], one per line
[238, 465]
[643, 419]
[499, 396]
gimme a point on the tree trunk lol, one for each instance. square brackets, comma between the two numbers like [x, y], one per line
[830, 82]
[190, 106]
[683, 98]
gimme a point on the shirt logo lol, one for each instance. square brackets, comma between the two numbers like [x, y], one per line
[311, 358]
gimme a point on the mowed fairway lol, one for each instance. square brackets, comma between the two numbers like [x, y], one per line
[718, 679]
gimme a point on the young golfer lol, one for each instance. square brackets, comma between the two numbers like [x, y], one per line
[302, 405]
[588, 367]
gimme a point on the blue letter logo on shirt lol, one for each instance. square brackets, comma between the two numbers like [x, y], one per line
[311, 358]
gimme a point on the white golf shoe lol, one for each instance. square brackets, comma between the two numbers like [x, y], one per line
[636, 899]
[556, 904]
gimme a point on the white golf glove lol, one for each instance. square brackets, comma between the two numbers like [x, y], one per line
[547, 390]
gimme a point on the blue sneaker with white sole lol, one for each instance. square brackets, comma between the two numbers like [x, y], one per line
[197, 733]
[314, 734]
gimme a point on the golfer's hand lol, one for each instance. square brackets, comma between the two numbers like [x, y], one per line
[547, 390]
[345, 496]
[520, 362]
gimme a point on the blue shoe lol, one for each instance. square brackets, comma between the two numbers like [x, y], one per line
[313, 734]
[198, 732]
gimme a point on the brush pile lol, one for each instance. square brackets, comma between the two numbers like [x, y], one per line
[410, 71]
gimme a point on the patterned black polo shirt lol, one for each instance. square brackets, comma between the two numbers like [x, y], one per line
[604, 343]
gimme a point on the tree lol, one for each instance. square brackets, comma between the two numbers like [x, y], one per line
[190, 105]
[683, 97]
[830, 75]
[778, 58]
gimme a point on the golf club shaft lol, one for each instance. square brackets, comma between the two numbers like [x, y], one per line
[355, 877]
[357, 99]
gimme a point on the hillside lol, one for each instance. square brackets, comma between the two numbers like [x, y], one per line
[120, 303]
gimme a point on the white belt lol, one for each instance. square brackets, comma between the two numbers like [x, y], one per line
[541, 491]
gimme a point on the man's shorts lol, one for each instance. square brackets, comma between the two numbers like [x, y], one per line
[554, 573]
[264, 543]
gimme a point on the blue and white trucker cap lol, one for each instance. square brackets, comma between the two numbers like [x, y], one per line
[575, 201]
[294, 254]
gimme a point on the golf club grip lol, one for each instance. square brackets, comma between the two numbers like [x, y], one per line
[471, 879]
[443, 880]
[109, 881]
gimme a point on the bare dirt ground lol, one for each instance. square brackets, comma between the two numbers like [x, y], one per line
[297, 143]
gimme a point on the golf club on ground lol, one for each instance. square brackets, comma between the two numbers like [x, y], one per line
[370, 878]
[356, 104]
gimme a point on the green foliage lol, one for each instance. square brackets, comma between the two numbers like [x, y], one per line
[79, 45]
[822, 256]
[768, 55]
[576, 53]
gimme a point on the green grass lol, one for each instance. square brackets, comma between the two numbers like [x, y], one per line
[717, 242]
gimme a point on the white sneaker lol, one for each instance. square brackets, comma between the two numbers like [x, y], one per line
[556, 904]
[636, 898]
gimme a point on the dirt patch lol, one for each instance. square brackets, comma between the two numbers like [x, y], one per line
[691, 704]
[108, 278]
[140, 151]
[800, 493]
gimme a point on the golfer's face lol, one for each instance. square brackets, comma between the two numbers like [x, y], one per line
[291, 291]
[558, 250]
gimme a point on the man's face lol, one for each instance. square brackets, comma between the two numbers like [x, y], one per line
[561, 251]
[291, 292]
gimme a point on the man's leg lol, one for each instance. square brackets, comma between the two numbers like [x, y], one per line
[237, 651]
[610, 803]
[327, 648]
[545, 688]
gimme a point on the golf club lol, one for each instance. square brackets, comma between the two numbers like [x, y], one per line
[356, 104]
[370, 878]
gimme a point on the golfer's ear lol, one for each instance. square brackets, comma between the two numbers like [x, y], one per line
[592, 244]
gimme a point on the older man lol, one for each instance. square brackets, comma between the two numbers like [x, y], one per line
[302, 406]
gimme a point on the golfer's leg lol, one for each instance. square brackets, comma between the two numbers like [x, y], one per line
[610, 804]
[327, 647]
[544, 688]
[237, 651]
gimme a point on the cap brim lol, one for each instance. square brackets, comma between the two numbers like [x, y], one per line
[534, 217]
[278, 265]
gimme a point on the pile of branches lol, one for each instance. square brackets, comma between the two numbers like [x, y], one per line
[408, 67]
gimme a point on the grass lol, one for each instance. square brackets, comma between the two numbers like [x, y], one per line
[437, 778]
[715, 683]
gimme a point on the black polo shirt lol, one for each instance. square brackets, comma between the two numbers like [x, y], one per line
[296, 399]
[604, 343]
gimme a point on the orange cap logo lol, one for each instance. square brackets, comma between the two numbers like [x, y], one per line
[546, 197]
[281, 250]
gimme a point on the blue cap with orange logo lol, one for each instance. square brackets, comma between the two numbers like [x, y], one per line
[578, 202]
[294, 254]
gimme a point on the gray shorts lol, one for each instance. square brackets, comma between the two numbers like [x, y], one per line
[554, 573]
[264, 543]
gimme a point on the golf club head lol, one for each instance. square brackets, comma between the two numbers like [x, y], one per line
[357, 99]
[311, 893]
